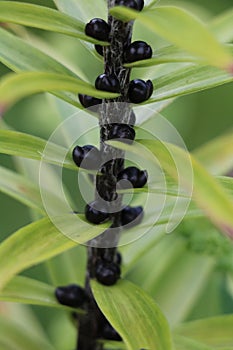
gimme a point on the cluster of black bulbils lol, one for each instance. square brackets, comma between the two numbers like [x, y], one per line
[138, 89]
[96, 212]
[76, 297]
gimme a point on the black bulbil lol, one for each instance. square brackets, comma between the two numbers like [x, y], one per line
[136, 51]
[98, 29]
[107, 273]
[135, 176]
[86, 157]
[95, 213]
[72, 295]
[140, 90]
[107, 82]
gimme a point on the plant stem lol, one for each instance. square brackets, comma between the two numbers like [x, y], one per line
[111, 111]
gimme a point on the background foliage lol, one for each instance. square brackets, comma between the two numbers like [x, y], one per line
[189, 273]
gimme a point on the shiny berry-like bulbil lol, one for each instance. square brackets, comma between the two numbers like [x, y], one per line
[123, 132]
[138, 50]
[133, 4]
[96, 213]
[99, 49]
[107, 82]
[131, 216]
[86, 157]
[107, 273]
[98, 29]
[109, 333]
[140, 90]
[88, 101]
[71, 295]
[135, 176]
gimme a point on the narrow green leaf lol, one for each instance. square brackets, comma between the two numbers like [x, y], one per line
[16, 337]
[187, 80]
[217, 154]
[83, 10]
[21, 56]
[134, 315]
[189, 273]
[221, 26]
[182, 29]
[207, 192]
[167, 54]
[216, 331]
[28, 146]
[20, 188]
[183, 343]
[16, 86]
[25, 290]
[43, 18]
[42, 240]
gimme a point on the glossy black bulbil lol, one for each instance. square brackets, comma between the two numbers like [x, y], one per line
[133, 4]
[118, 259]
[109, 333]
[72, 295]
[107, 82]
[136, 51]
[95, 213]
[88, 101]
[131, 215]
[135, 176]
[107, 273]
[122, 132]
[98, 29]
[86, 157]
[140, 90]
[99, 49]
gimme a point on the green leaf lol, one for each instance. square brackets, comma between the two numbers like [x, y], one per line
[214, 332]
[43, 18]
[182, 29]
[134, 315]
[167, 54]
[25, 290]
[21, 56]
[16, 86]
[83, 10]
[15, 336]
[42, 240]
[20, 188]
[27, 146]
[217, 154]
[207, 192]
[189, 273]
[183, 343]
[187, 80]
[221, 26]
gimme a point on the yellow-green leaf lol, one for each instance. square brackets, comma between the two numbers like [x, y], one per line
[217, 154]
[134, 315]
[44, 18]
[207, 192]
[16, 86]
[214, 332]
[182, 29]
[42, 240]
[25, 290]
[28, 146]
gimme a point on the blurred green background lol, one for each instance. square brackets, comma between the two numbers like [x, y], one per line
[198, 118]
